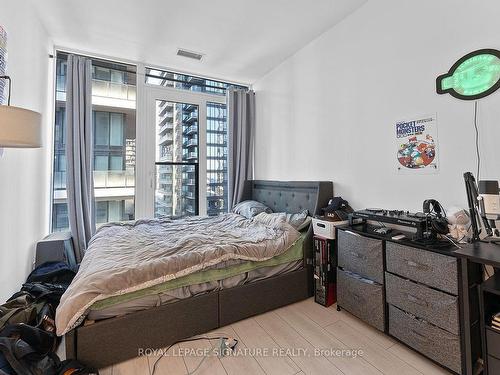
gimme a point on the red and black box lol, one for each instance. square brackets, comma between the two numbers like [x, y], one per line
[325, 271]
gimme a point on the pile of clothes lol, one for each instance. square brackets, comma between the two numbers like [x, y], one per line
[27, 330]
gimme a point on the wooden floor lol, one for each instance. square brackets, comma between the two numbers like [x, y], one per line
[280, 335]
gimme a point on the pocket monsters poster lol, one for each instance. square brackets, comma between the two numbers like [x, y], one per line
[417, 145]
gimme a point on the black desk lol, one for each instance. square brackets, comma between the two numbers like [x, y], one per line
[483, 253]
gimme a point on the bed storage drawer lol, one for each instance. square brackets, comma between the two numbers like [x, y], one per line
[361, 298]
[436, 270]
[153, 328]
[436, 343]
[361, 255]
[434, 306]
[258, 297]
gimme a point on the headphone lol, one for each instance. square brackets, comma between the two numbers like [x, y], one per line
[438, 222]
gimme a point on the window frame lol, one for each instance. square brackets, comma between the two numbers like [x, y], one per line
[130, 78]
[146, 141]
[143, 171]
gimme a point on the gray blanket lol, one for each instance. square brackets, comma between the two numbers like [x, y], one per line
[126, 257]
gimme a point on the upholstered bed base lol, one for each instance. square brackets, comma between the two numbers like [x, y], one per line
[114, 340]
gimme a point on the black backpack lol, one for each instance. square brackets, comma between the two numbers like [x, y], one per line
[52, 273]
[30, 350]
[35, 304]
[25, 308]
[49, 292]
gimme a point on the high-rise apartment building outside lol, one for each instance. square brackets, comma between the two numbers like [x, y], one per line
[177, 145]
[178, 142]
[114, 113]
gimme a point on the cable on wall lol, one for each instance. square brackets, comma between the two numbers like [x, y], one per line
[478, 154]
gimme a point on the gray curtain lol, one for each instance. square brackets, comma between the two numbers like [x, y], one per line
[241, 125]
[79, 152]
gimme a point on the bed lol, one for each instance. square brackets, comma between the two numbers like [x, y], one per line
[155, 324]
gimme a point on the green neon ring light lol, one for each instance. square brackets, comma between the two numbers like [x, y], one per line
[473, 77]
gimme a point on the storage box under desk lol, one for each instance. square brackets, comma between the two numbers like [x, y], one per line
[490, 290]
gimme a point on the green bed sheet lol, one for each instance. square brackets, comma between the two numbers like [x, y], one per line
[294, 253]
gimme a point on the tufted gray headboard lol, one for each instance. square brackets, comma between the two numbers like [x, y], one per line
[290, 196]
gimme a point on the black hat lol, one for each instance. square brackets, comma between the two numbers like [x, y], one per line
[335, 204]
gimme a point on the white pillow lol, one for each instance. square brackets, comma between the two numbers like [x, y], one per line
[299, 220]
[250, 208]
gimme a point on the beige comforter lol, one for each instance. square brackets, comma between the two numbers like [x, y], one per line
[123, 258]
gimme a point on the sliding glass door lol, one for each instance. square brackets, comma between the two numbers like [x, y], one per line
[177, 160]
[185, 153]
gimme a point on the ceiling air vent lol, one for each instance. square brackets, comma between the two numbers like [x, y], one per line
[189, 54]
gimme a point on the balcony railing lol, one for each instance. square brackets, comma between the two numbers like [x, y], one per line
[191, 130]
[189, 107]
[163, 120]
[166, 111]
[190, 155]
[102, 89]
[114, 179]
[113, 90]
[102, 179]
[165, 139]
[173, 193]
[191, 118]
[191, 143]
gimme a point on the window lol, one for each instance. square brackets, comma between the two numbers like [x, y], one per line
[115, 163]
[100, 163]
[174, 146]
[216, 159]
[177, 159]
[186, 82]
[101, 128]
[116, 129]
[60, 216]
[189, 121]
[114, 114]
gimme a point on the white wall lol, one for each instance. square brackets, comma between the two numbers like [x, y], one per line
[328, 112]
[24, 173]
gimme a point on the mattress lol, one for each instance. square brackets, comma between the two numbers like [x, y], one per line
[124, 258]
[225, 275]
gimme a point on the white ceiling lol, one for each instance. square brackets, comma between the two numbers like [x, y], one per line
[241, 39]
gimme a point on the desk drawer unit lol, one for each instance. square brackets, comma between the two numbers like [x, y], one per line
[436, 307]
[436, 343]
[432, 269]
[362, 298]
[361, 255]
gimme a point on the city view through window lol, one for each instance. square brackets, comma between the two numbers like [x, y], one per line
[114, 122]
[183, 128]
[177, 148]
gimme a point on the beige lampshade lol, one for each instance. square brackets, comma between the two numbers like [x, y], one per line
[20, 127]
